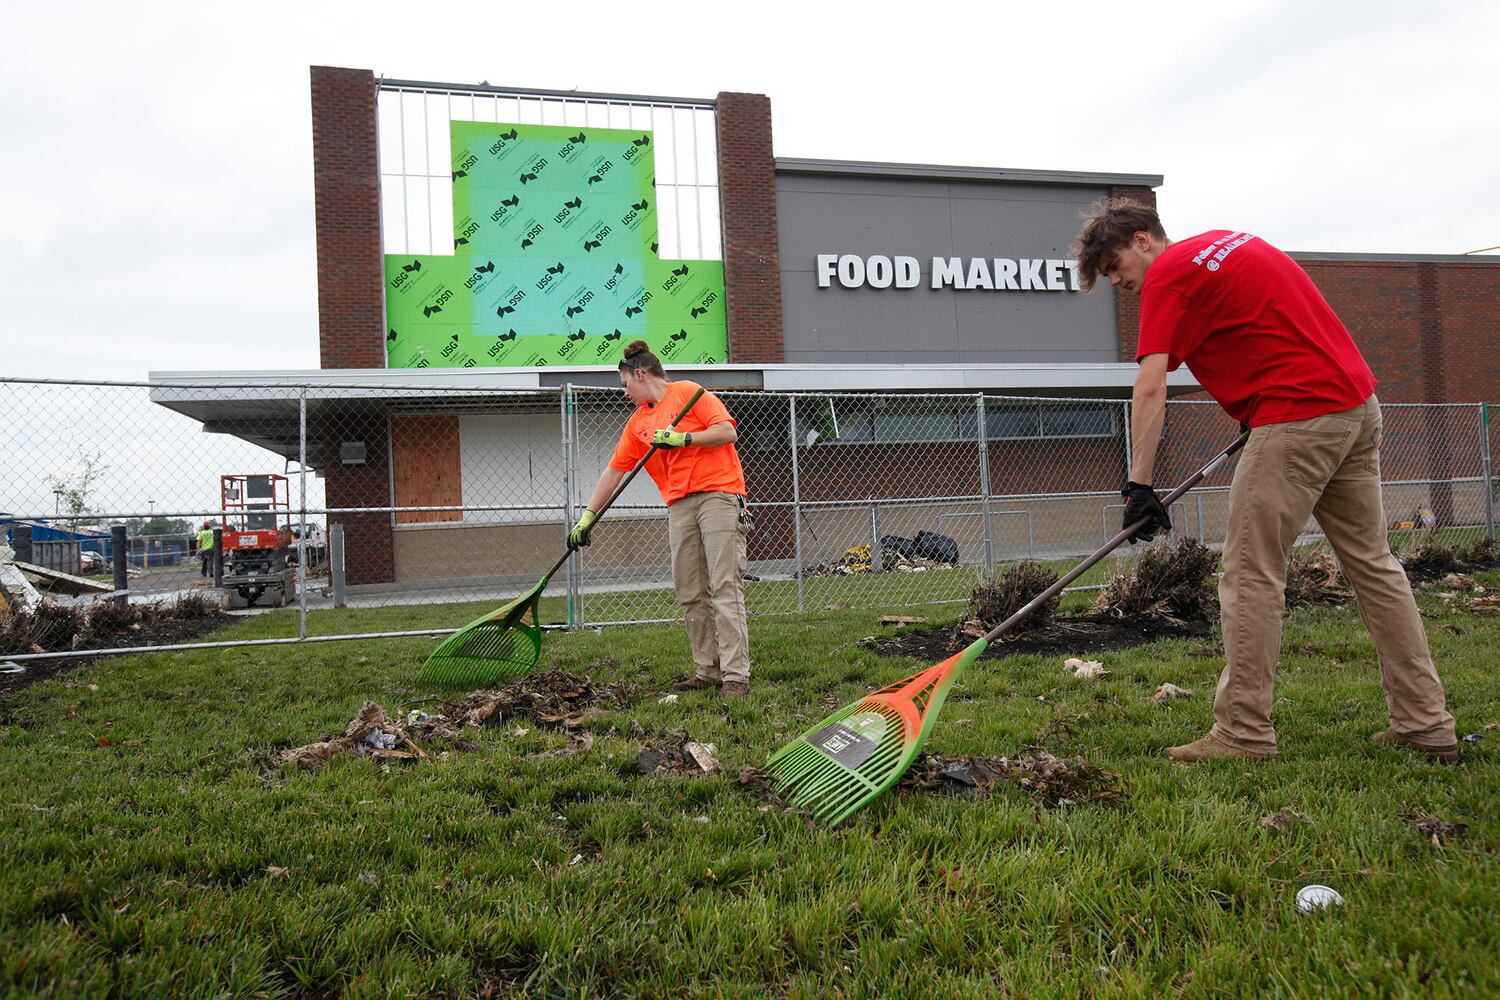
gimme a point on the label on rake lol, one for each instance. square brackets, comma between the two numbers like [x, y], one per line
[851, 741]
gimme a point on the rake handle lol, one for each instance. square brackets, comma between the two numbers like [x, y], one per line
[598, 514]
[1114, 542]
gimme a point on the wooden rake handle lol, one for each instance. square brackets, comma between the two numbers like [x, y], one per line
[598, 514]
[1114, 542]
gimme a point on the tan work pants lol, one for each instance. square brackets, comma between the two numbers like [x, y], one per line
[1326, 467]
[708, 571]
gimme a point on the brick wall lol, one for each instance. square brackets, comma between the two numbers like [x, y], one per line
[747, 210]
[369, 546]
[346, 193]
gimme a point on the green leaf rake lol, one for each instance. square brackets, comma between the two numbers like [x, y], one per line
[846, 761]
[506, 643]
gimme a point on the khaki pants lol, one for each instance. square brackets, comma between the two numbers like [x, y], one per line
[708, 571]
[1327, 467]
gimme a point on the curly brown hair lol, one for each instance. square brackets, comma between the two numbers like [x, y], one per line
[1108, 226]
[638, 357]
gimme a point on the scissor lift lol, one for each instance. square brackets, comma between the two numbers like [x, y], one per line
[257, 539]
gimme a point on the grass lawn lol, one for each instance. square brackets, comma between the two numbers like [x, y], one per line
[154, 849]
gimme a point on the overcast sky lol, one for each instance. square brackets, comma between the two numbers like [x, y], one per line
[156, 160]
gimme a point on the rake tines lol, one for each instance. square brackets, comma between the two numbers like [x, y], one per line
[502, 646]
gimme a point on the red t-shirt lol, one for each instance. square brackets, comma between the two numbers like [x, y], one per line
[680, 471]
[1253, 329]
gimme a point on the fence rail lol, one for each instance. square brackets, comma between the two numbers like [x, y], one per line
[460, 495]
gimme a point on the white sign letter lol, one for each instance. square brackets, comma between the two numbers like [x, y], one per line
[1031, 276]
[947, 271]
[979, 274]
[907, 275]
[1055, 276]
[851, 270]
[878, 268]
[826, 263]
[1005, 274]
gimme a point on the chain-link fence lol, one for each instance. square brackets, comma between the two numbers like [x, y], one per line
[447, 499]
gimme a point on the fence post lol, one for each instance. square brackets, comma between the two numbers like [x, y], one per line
[122, 559]
[982, 434]
[302, 512]
[1125, 423]
[218, 557]
[796, 500]
[1484, 463]
[566, 414]
[336, 563]
[876, 561]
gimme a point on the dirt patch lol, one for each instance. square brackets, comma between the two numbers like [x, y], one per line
[1069, 634]
[1430, 562]
[51, 628]
[1437, 832]
[1049, 781]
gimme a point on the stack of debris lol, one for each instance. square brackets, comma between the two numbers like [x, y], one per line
[673, 751]
[1049, 780]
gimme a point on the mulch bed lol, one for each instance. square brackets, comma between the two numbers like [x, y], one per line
[163, 631]
[1068, 634]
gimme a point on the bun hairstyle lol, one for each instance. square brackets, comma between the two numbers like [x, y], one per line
[638, 357]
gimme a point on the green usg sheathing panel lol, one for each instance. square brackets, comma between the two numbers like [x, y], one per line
[556, 262]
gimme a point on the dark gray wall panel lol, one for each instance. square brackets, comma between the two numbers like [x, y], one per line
[927, 218]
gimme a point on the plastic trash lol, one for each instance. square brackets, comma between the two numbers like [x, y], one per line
[1312, 898]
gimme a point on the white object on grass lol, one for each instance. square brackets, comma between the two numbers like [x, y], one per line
[1312, 898]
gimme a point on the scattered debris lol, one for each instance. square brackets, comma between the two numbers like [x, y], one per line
[1284, 819]
[1084, 668]
[577, 743]
[312, 756]
[1168, 693]
[995, 599]
[674, 752]
[1050, 781]
[903, 619]
[1481, 605]
[1174, 582]
[1314, 578]
[1431, 562]
[667, 699]
[1437, 832]
[1472, 738]
[276, 871]
[1461, 581]
[899, 555]
[368, 878]
[1312, 898]
[549, 698]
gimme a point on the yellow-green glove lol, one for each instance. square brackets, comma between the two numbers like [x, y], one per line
[579, 536]
[671, 439]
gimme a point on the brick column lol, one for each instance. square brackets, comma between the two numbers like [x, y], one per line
[747, 212]
[346, 194]
[351, 313]
[1127, 304]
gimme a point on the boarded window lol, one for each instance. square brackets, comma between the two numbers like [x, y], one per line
[425, 463]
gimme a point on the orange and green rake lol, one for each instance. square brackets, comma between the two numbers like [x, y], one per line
[846, 761]
[506, 643]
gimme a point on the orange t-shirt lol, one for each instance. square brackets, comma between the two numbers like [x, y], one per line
[680, 471]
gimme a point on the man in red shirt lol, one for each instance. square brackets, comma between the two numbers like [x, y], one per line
[1259, 337]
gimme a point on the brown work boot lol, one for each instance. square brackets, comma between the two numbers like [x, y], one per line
[1210, 747]
[1443, 754]
[734, 689]
[694, 684]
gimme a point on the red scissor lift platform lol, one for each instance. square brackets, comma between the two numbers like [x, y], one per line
[257, 539]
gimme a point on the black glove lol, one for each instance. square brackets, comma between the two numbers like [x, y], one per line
[1244, 427]
[1141, 502]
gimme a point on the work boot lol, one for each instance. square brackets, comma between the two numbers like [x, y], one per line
[694, 684]
[1444, 753]
[735, 689]
[1210, 747]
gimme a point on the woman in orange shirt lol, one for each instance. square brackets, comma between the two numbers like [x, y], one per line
[698, 471]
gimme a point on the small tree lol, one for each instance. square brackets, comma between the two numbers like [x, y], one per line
[77, 488]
